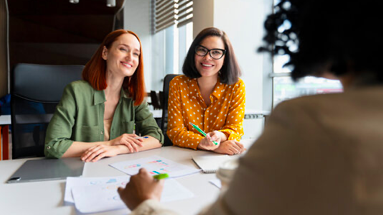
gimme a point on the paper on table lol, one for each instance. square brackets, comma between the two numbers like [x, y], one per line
[155, 165]
[80, 182]
[91, 199]
[216, 182]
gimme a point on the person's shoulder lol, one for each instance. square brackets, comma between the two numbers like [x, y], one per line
[80, 86]
[180, 79]
[311, 105]
[79, 83]
[239, 85]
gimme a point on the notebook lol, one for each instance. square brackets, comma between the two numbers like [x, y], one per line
[210, 163]
[47, 169]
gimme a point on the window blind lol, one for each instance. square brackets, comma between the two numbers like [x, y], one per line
[172, 12]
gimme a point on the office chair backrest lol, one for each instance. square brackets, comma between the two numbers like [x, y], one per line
[164, 121]
[35, 92]
[155, 102]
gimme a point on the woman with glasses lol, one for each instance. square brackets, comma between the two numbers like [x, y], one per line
[210, 95]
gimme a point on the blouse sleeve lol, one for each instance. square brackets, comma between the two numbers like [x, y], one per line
[146, 124]
[177, 128]
[233, 128]
[59, 131]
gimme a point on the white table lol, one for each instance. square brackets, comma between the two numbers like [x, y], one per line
[48, 197]
[249, 113]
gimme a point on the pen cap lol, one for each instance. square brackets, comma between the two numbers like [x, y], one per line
[226, 172]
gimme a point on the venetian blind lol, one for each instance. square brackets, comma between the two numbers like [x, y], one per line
[172, 12]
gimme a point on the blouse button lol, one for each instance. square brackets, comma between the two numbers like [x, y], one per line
[102, 132]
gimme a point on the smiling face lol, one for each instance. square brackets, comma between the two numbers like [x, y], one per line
[206, 65]
[122, 58]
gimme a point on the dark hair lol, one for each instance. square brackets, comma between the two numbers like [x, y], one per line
[339, 36]
[95, 70]
[230, 70]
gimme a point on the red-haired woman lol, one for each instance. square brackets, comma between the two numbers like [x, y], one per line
[97, 116]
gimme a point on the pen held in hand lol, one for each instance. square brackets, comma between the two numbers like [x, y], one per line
[141, 138]
[161, 176]
[202, 132]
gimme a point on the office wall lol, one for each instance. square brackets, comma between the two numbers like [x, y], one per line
[137, 18]
[3, 49]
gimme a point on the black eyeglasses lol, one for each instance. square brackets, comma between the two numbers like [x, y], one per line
[216, 54]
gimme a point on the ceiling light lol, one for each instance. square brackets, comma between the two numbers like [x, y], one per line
[111, 3]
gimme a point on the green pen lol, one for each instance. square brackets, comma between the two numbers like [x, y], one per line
[200, 131]
[161, 176]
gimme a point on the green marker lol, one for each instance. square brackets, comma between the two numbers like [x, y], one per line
[161, 176]
[200, 131]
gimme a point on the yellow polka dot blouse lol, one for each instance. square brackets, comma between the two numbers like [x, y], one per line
[186, 104]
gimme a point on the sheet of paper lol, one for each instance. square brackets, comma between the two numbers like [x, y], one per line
[91, 199]
[216, 182]
[98, 198]
[81, 182]
[155, 165]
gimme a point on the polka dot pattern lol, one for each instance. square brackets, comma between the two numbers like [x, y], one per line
[225, 114]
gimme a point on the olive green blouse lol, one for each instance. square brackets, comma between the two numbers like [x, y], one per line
[80, 117]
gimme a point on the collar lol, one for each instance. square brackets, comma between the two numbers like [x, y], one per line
[218, 90]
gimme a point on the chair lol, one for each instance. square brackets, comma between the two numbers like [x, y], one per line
[164, 102]
[35, 92]
[155, 101]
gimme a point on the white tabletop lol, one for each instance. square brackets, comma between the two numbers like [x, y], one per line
[48, 197]
[249, 113]
[5, 119]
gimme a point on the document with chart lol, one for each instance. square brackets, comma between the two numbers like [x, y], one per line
[155, 165]
[91, 195]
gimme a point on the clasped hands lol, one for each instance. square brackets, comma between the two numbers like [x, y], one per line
[230, 147]
[126, 143]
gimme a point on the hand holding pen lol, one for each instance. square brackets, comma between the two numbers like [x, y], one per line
[141, 187]
[211, 140]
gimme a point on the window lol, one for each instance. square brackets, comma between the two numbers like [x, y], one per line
[173, 32]
[283, 86]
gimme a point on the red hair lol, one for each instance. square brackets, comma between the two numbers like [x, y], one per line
[95, 70]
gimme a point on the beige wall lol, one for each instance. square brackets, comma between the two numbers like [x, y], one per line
[203, 15]
[3, 50]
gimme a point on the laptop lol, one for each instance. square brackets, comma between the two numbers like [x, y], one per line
[47, 170]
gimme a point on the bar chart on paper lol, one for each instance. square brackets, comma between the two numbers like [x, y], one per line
[155, 165]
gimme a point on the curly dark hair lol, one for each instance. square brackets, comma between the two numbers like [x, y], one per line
[230, 71]
[339, 36]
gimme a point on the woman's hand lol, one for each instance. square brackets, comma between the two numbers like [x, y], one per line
[95, 153]
[207, 142]
[230, 147]
[140, 188]
[129, 140]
